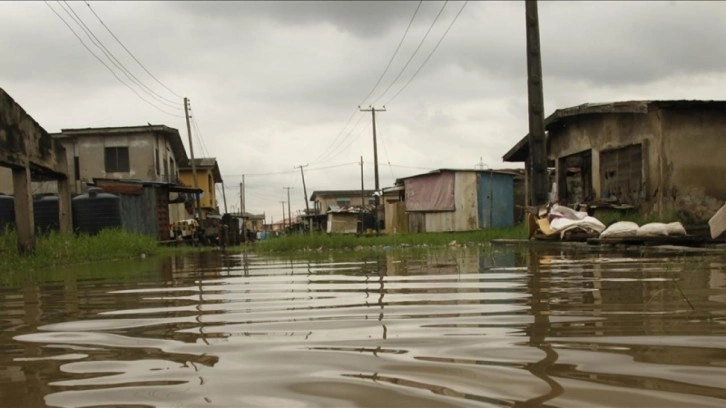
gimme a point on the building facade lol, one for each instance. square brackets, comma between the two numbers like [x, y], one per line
[659, 156]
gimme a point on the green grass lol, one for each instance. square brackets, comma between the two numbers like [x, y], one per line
[291, 243]
[65, 248]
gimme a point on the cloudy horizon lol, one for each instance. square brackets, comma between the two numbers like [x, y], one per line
[275, 85]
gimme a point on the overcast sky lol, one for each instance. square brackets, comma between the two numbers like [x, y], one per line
[275, 85]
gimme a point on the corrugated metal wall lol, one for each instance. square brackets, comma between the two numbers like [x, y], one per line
[138, 212]
[496, 200]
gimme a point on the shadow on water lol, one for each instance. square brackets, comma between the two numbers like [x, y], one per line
[493, 326]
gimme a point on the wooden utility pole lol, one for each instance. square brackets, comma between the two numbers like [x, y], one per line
[191, 152]
[373, 110]
[537, 147]
[289, 214]
[224, 197]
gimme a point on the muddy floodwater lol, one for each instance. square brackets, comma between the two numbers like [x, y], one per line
[488, 326]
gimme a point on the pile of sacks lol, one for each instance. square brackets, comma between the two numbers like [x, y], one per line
[558, 219]
[622, 229]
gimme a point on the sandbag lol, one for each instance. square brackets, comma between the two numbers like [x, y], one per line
[653, 229]
[675, 228]
[620, 229]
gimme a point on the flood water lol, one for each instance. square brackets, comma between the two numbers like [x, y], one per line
[490, 326]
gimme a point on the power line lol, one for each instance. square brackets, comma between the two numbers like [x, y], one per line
[414, 53]
[430, 54]
[105, 65]
[112, 58]
[129, 52]
[394, 54]
[336, 148]
[342, 131]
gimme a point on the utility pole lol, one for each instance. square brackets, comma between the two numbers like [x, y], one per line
[224, 197]
[305, 193]
[373, 110]
[289, 214]
[362, 196]
[537, 146]
[283, 216]
[191, 152]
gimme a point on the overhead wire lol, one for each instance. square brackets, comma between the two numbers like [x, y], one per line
[106, 65]
[350, 118]
[413, 54]
[430, 54]
[394, 53]
[115, 61]
[337, 148]
[129, 52]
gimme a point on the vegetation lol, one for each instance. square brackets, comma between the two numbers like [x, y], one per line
[66, 248]
[317, 242]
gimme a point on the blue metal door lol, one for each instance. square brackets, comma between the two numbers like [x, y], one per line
[496, 200]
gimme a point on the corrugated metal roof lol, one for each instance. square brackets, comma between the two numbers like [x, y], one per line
[438, 171]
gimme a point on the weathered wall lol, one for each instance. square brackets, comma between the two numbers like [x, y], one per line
[682, 153]
[206, 183]
[694, 168]
[465, 217]
[603, 132]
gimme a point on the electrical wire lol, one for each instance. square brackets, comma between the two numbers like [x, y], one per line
[430, 54]
[394, 54]
[414, 53]
[115, 61]
[129, 52]
[337, 148]
[350, 118]
[107, 67]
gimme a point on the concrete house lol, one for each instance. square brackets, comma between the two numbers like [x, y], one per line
[659, 156]
[149, 153]
[453, 200]
[208, 176]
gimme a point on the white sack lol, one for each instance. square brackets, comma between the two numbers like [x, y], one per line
[620, 229]
[654, 229]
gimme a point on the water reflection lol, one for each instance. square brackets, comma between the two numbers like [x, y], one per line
[498, 326]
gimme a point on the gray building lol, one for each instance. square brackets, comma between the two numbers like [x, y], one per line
[660, 156]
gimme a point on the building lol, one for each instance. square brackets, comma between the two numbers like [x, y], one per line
[659, 156]
[208, 176]
[454, 200]
[323, 200]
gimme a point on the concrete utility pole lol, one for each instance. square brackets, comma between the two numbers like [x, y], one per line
[305, 193]
[362, 197]
[191, 152]
[289, 214]
[373, 110]
[283, 216]
[537, 146]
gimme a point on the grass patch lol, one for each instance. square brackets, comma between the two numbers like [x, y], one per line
[292, 243]
[66, 248]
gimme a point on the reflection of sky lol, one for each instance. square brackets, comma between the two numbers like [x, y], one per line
[492, 326]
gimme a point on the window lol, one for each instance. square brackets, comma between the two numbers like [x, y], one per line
[621, 174]
[343, 201]
[117, 159]
[156, 160]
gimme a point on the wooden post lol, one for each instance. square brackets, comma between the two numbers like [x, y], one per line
[24, 222]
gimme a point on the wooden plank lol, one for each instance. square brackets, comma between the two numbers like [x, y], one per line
[717, 223]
